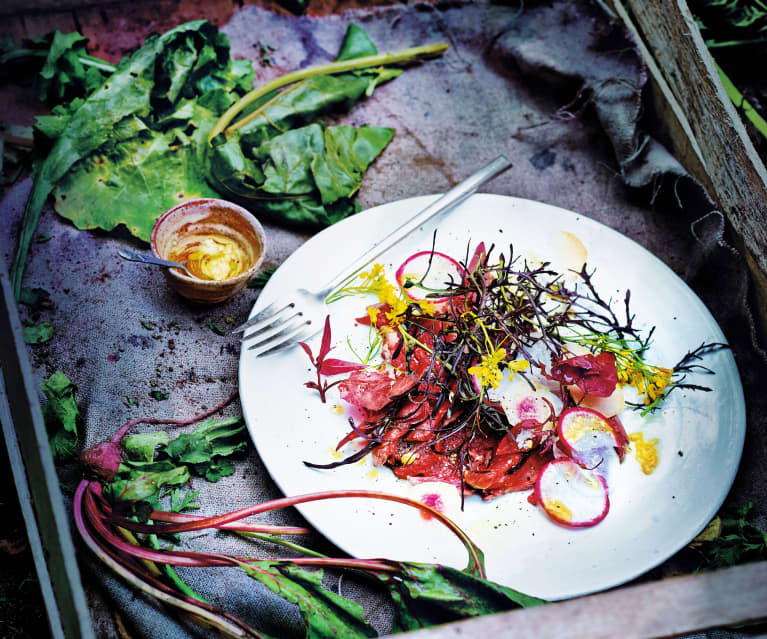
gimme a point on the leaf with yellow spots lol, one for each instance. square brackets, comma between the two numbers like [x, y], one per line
[134, 181]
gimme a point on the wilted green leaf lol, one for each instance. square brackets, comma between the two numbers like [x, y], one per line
[61, 415]
[142, 484]
[429, 594]
[142, 446]
[38, 334]
[134, 181]
[326, 614]
[175, 64]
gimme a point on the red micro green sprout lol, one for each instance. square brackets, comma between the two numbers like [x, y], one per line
[327, 367]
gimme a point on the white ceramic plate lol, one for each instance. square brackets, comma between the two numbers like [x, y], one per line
[651, 517]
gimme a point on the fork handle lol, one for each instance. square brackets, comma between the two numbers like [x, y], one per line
[452, 198]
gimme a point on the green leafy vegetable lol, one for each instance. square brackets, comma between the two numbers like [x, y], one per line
[38, 334]
[159, 395]
[428, 595]
[151, 113]
[127, 146]
[326, 614]
[153, 462]
[283, 164]
[141, 447]
[61, 415]
[260, 280]
[66, 69]
[735, 539]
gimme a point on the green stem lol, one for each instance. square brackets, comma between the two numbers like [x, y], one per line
[97, 63]
[739, 101]
[383, 59]
[173, 575]
[283, 542]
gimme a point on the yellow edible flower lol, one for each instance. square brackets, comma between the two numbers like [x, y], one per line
[516, 366]
[487, 371]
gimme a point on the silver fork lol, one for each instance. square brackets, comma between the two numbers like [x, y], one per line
[300, 314]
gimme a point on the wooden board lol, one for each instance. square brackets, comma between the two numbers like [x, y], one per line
[733, 170]
[660, 609]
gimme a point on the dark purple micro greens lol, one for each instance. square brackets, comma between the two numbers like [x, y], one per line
[686, 365]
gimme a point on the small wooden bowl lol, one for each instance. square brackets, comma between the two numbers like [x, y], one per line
[203, 217]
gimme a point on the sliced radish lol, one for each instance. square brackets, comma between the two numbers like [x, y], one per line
[522, 403]
[439, 268]
[570, 495]
[588, 437]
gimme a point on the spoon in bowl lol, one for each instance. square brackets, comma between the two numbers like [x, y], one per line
[151, 259]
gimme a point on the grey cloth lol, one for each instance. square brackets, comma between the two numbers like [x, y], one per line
[555, 88]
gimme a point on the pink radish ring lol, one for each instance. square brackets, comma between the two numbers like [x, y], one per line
[439, 268]
[587, 436]
[570, 495]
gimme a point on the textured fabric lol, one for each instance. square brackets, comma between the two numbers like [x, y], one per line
[555, 88]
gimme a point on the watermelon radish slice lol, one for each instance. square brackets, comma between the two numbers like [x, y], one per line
[588, 437]
[439, 269]
[570, 495]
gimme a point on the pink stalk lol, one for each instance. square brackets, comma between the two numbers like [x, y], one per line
[276, 504]
[227, 627]
[269, 529]
[123, 430]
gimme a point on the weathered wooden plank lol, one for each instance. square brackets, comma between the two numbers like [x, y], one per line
[737, 175]
[675, 128]
[658, 609]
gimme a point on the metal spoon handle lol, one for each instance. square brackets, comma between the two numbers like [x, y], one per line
[150, 259]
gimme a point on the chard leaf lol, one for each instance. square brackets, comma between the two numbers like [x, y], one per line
[38, 334]
[61, 415]
[142, 446]
[428, 595]
[214, 470]
[348, 152]
[143, 485]
[206, 447]
[302, 104]
[326, 614]
[144, 84]
[132, 182]
[288, 167]
[356, 44]
[67, 73]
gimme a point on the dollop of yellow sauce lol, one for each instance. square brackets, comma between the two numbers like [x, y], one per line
[646, 452]
[561, 511]
[211, 257]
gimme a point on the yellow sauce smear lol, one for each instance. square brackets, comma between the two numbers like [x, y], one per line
[580, 426]
[211, 257]
[560, 510]
[646, 452]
